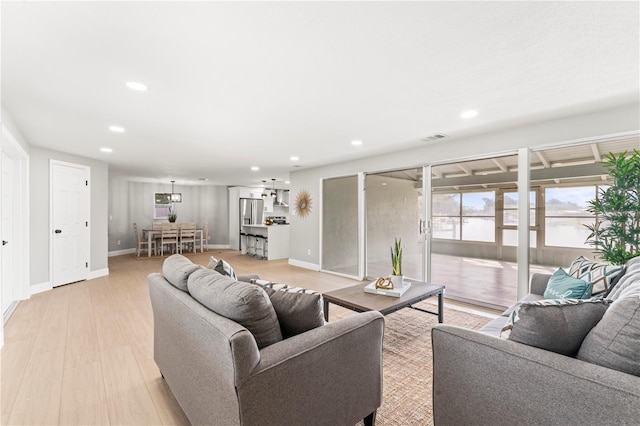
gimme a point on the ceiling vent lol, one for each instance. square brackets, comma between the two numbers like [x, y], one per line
[434, 137]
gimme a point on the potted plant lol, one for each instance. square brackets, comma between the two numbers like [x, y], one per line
[173, 216]
[616, 233]
[396, 263]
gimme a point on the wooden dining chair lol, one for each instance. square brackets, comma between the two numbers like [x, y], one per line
[205, 237]
[142, 243]
[169, 236]
[188, 236]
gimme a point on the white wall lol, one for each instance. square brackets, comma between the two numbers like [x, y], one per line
[9, 123]
[305, 232]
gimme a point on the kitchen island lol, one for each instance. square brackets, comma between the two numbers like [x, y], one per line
[278, 239]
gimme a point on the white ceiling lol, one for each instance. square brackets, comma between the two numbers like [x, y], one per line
[238, 84]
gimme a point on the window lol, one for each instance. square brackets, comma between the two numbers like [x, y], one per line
[566, 214]
[468, 216]
[510, 219]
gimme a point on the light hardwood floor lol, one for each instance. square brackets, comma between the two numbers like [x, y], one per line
[83, 353]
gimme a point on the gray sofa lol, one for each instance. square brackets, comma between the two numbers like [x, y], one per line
[480, 378]
[329, 375]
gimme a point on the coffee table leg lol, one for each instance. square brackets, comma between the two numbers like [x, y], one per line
[440, 307]
[326, 310]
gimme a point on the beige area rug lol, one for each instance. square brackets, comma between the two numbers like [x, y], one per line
[406, 396]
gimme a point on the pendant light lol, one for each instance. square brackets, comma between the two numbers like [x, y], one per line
[273, 192]
[176, 197]
[264, 191]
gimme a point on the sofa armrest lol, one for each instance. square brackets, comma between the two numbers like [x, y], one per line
[329, 375]
[538, 283]
[247, 278]
[479, 379]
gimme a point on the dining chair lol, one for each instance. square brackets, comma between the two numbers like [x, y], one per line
[169, 236]
[205, 237]
[188, 236]
[142, 243]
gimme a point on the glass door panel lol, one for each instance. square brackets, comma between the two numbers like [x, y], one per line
[394, 210]
[340, 225]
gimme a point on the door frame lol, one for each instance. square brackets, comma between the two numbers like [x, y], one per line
[20, 221]
[53, 162]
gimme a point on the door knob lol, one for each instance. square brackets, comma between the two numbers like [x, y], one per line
[4, 243]
[58, 231]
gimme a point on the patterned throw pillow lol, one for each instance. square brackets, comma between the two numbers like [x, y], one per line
[557, 325]
[224, 268]
[600, 275]
[563, 286]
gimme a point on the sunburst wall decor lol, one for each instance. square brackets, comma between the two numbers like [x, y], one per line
[303, 203]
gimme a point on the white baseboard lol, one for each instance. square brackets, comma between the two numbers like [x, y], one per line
[121, 252]
[218, 246]
[305, 265]
[97, 274]
[39, 288]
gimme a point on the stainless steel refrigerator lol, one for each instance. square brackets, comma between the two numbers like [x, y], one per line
[251, 211]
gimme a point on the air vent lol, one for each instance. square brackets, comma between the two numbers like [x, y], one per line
[434, 137]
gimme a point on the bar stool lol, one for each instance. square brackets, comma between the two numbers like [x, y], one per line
[243, 243]
[251, 244]
[265, 247]
[260, 246]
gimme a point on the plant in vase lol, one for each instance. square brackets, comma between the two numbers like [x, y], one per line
[396, 263]
[615, 235]
[173, 216]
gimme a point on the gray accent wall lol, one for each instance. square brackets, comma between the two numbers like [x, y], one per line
[131, 202]
[305, 232]
[39, 192]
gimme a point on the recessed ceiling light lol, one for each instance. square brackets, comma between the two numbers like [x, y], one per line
[469, 114]
[116, 129]
[294, 158]
[287, 182]
[255, 168]
[204, 179]
[356, 143]
[384, 183]
[105, 149]
[134, 85]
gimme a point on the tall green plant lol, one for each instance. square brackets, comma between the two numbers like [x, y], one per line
[616, 232]
[396, 257]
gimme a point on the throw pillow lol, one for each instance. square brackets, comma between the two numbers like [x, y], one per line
[563, 286]
[222, 267]
[177, 269]
[244, 303]
[297, 311]
[615, 341]
[213, 262]
[557, 325]
[600, 275]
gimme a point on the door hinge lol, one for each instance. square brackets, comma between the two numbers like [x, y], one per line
[86, 223]
[86, 264]
[86, 183]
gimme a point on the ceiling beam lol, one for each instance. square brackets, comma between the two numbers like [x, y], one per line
[543, 159]
[582, 170]
[465, 169]
[596, 153]
[500, 165]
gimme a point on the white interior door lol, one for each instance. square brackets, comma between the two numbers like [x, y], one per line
[70, 222]
[9, 281]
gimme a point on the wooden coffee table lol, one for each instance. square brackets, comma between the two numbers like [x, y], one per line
[356, 299]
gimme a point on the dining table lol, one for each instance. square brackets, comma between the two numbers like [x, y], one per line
[156, 233]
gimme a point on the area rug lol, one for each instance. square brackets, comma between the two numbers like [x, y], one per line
[407, 362]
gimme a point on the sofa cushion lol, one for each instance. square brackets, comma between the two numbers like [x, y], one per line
[563, 286]
[244, 303]
[297, 311]
[600, 275]
[629, 283]
[177, 269]
[615, 341]
[557, 325]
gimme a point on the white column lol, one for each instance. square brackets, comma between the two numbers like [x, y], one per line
[523, 222]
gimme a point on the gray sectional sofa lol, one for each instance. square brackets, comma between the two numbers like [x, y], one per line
[220, 347]
[482, 379]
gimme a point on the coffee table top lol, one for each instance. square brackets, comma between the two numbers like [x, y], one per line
[354, 297]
